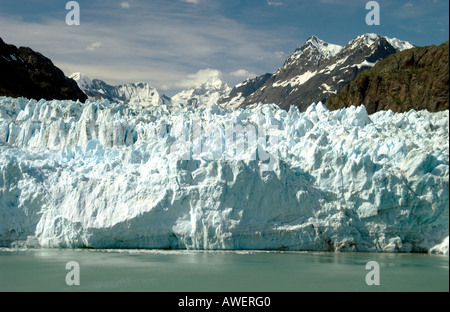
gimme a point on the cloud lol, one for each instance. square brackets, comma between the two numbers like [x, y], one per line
[191, 1]
[274, 3]
[410, 11]
[168, 47]
[279, 54]
[194, 80]
[94, 46]
[242, 73]
[125, 5]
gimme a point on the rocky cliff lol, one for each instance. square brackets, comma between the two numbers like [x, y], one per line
[417, 79]
[26, 73]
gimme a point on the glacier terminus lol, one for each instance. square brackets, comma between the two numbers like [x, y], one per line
[106, 175]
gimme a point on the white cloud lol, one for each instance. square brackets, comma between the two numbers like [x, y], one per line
[194, 80]
[165, 49]
[242, 73]
[94, 46]
[274, 3]
[279, 54]
[191, 1]
[125, 5]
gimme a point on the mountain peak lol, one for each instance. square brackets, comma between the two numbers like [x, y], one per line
[213, 82]
[203, 95]
[82, 80]
[132, 93]
[399, 44]
[369, 39]
[370, 36]
[326, 49]
[314, 39]
[384, 86]
[315, 71]
[366, 40]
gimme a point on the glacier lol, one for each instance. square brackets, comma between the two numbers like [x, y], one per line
[110, 175]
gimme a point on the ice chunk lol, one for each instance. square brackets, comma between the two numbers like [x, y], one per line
[441, 248]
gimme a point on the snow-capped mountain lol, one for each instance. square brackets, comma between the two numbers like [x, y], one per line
[313, 51]
[238, 94]
[319, 69]
[83, 81]
[131, 93]
[204, 95]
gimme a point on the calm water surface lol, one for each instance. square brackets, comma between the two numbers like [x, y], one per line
[196, 271]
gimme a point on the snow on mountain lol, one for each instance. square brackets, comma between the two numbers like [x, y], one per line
[367, 39]
[370, 39]
[326, 49]
[237, 95]
[317, 70]
[413, 79]
[399, 44]
[132, 93]
[314, 45]
[83, 81]
[140, 93]
[108, 175]
[204, 95]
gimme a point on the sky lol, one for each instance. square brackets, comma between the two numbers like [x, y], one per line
[177, 44]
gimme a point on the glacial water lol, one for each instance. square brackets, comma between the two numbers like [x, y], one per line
[234, 271]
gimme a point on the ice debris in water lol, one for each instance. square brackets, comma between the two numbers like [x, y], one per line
[108, 175]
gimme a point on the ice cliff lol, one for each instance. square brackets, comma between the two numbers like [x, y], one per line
[107, 175]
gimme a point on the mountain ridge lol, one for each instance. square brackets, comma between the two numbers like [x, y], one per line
[30, 74]
[203, 95]
[317, 69]
[141, 93]
[132, 93]
[417, 78]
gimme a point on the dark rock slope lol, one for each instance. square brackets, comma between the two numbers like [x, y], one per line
[26, 73]
[417, 79]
